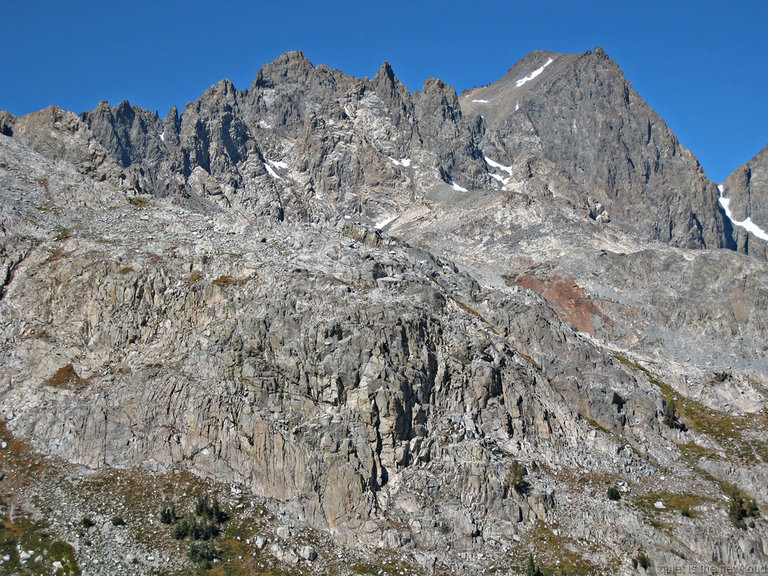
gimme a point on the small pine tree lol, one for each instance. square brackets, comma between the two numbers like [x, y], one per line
[614, 494]
[641, 560]
[168, 515]
[203, 553]
[202, 506]
[532, 569]
[181, 529]
[217, 514]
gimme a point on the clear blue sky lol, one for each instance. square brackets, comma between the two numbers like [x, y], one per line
[701, 64]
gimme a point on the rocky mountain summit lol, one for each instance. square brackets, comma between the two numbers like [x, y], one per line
[384, 331]
[579, 112]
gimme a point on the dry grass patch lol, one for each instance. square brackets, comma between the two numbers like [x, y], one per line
[67, 377]
[228, 281]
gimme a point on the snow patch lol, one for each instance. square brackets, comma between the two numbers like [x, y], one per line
[272, 172]
[517, 106]
[277, 164]
[162, 136]
[380, 225]
[498, 166]
[747, 224]
[263, 124]
[533, 74]
[494, 164]
[481, 101]
[405, 162]
[456, 186]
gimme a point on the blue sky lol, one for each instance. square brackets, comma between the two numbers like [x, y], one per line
[702, 65]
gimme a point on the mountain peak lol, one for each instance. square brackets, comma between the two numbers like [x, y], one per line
[580, 112]
[291, 67]
[385, 72]
[388, 87]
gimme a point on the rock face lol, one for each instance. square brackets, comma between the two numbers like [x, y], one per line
[579, 112]
[212, 294]
[747, 189]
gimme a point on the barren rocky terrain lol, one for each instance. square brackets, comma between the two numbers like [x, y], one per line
[384, 332]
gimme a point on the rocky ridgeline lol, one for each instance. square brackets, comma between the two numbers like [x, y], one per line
[317, 143]
[206, 294]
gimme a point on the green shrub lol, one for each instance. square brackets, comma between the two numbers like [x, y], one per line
[118, 521]
[641, 560]
[203, 553]
[740, 507]
[614, 494]
[670, 415]
[210, 509]
[531, 569]
[516, 477]
[180, 530]
[201, 507]
[168, 515]
[86, 522]
[195, 530]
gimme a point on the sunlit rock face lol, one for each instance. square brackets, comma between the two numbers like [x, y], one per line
[420, 326]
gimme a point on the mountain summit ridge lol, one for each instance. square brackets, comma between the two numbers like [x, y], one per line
[573, 127]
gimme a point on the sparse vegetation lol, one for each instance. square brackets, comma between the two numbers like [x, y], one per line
[168, 515]
[531, 569]
[740, 507]
[554, 553]
[118, 521]
[227, 281]
[726, 430]
[614, 494]
[203, 553]
[23, 533]
[642, 561]
[57, 254]
[516, 477]
[193, 278]
[67, 377]
[682, 503]
[45, 185]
